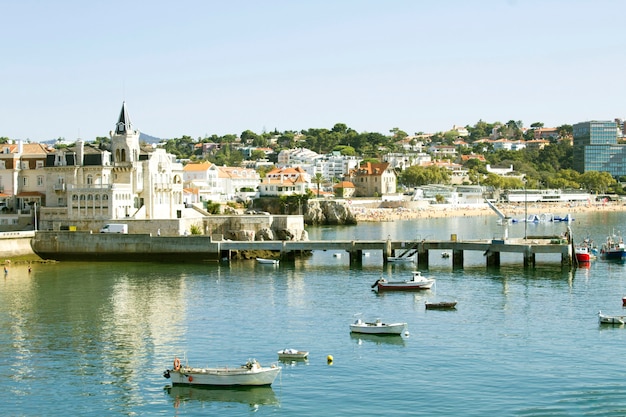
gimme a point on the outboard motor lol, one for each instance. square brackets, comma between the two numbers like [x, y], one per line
[166, 374]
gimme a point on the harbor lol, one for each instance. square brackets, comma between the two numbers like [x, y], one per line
[118, 325]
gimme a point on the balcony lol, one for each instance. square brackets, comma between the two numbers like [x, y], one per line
[59, 187]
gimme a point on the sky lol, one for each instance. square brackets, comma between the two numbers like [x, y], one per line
[204, 67]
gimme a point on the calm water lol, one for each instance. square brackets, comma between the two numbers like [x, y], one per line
[89, 338]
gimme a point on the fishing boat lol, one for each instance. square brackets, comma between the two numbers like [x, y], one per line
[442, 305]
[605, 319]
[417, 282]
[585, 251]
[613, 248]
[250, 374]
[266, 261]
[292, 354]
[377, 327]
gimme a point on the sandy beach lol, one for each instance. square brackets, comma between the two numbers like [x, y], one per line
[513, 210]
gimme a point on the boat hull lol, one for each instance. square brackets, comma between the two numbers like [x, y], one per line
[441, 306]
[404, 286]
[379, 329]
[615, 255]
[224, 376]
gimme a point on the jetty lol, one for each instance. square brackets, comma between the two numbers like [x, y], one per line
[68, 245]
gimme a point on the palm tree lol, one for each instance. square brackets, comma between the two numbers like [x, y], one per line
[318, 178]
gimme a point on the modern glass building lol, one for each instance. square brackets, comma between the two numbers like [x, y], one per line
[596, 148]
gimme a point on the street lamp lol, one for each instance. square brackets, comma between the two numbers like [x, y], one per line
[525, 211]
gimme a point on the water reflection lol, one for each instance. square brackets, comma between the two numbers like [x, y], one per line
[361, 338]
[253, 396]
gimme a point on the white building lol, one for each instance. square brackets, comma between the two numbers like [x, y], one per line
[85, 184]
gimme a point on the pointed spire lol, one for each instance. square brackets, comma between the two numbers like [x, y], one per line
[123, 125]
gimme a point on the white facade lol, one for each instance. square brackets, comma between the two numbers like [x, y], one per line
[85, 184]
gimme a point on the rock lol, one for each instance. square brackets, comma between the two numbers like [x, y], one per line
[330, 212]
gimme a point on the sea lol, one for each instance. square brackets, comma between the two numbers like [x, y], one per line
[95, 338]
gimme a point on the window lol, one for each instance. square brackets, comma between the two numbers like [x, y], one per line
[89, 179]
[39, 164]
[25, 182]
[40, 180]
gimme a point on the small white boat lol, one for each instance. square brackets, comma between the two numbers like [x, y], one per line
[266, 261]
[400, 259]
[604, 319]
[292, 354]
[250, 374]
[417, 282]
[378, 327]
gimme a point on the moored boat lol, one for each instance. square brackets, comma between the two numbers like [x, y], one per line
[606, 319]
[613, 248]
[266, 261]
[378, 327]
[400, 259]
[442, 305]
[250, 374]
[417, 282]
[583, 253]
[292, 354]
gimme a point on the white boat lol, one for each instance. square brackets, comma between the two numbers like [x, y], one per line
[604, 319]
[292, 354]
[417, 282]
[267, 261]
[250, 374]
[378, 327]
[400, 259]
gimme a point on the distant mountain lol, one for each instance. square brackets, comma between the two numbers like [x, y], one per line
[148, 139]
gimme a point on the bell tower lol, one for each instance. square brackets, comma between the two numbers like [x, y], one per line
[124, 141]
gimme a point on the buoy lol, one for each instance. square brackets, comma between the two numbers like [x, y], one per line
[190, 378]
[329, 359]
[406, 333]
[624, 301]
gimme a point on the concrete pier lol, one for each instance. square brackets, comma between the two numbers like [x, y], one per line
[66, 245]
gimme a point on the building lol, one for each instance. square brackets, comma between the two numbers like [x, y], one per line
[373, 179]
[284, 182]
[88, 186]
[596, 148]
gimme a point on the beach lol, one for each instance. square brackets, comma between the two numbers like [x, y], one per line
[364, 214]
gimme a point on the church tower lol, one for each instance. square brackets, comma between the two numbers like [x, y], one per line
[124, 141]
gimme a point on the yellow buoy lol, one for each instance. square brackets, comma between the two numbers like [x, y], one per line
[329, 359]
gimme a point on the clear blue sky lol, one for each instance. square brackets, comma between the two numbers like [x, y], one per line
[198, 68]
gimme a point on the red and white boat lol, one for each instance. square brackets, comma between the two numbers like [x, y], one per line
[585, 251]
[583, 254]
[417, 282]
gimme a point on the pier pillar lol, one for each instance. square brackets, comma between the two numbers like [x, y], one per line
[422, 258]
[529, 258]
[457, 259]
[493, 258]
[356, 257]
[387, 251]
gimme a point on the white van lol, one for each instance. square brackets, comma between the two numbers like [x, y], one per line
[114, 228]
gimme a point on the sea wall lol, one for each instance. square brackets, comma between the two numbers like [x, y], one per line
[15, 244]
[67, 245]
